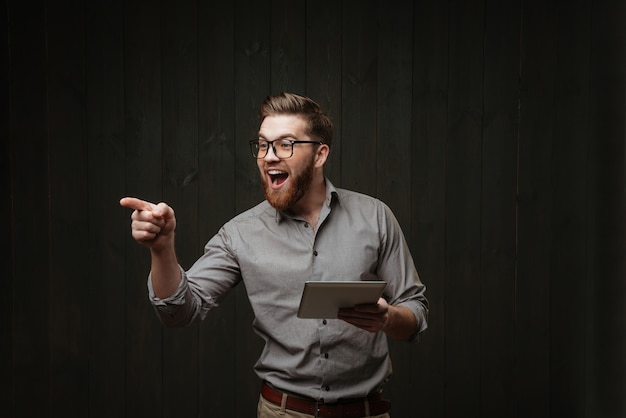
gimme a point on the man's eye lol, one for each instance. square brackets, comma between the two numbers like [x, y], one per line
[285, 144]
[262, 145]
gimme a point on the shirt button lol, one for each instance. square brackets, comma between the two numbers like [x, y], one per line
[327, 388]
[315, 253]
[306, 225]
[324, 322]
[325, 355]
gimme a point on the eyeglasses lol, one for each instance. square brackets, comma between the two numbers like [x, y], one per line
[283, 148]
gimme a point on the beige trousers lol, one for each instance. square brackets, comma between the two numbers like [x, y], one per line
[269, 410]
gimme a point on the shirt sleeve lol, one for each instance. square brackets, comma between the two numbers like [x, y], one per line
[176, 310]
[202, 287]
[396, 267]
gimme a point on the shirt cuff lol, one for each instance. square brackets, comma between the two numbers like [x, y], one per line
[421, 314]
[171, 304]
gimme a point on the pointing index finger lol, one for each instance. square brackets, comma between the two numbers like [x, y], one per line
[137, 204]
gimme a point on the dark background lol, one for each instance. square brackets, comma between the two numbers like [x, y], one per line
[494, 129]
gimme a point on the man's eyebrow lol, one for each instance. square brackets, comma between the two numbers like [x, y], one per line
[283, 136]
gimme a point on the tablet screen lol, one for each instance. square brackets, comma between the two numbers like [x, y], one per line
[323, 299]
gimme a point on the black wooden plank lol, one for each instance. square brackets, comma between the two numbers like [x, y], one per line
[463, 208]
[607, 204]
[108, 224]
[532, 299]
[69, 224]
[393, 122]
[216, 200]
[179, 41]
[142, 177]
[288, 46]
[6, 213]
[31, 224]
[323, 71]
[359, 78]
[499, 191]
[252, 86]
[569, 230]
[428, 188]
[393, 158]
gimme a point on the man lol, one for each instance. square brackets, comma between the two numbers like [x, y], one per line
[306, 229]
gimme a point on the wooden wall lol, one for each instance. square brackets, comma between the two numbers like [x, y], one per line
[494, 129]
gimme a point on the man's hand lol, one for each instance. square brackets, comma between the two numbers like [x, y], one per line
[396, 321]
[370, 317]
[152, 225]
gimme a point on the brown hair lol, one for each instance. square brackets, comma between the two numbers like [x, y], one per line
[320, 126]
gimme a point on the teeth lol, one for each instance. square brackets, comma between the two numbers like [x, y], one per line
[274, 172]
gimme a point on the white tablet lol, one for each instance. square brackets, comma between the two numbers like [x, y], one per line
[323, 299]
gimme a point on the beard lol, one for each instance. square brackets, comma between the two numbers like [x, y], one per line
[286, 198]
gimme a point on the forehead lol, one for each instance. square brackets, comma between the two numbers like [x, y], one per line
[282, 126]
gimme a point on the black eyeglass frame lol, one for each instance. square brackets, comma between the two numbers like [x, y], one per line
[254, 145]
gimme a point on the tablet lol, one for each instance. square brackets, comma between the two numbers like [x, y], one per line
[323, 299]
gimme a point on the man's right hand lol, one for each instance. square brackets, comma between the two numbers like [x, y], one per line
[152, 225]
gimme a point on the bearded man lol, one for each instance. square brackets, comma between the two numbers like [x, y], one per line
[305, 230]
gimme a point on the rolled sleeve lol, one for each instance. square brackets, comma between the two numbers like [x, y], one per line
[177, 310]
[420, 310]
[175, 300]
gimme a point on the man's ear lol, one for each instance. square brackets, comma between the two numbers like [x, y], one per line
[321, 155]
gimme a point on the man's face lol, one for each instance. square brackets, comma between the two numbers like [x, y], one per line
[285, 181]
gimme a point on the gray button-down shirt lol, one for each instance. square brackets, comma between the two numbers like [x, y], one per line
[358, 238]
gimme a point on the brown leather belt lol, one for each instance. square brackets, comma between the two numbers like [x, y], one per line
[354, 408]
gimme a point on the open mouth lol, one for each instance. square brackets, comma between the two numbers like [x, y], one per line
[277, 178]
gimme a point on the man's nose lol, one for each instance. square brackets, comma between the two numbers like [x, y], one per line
[271, 154]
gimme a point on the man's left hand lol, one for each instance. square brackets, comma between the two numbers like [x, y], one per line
[370, 317]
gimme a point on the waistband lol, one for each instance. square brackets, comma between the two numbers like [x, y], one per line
[353, 408]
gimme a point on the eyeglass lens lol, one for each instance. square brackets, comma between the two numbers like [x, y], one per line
[282, 148]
